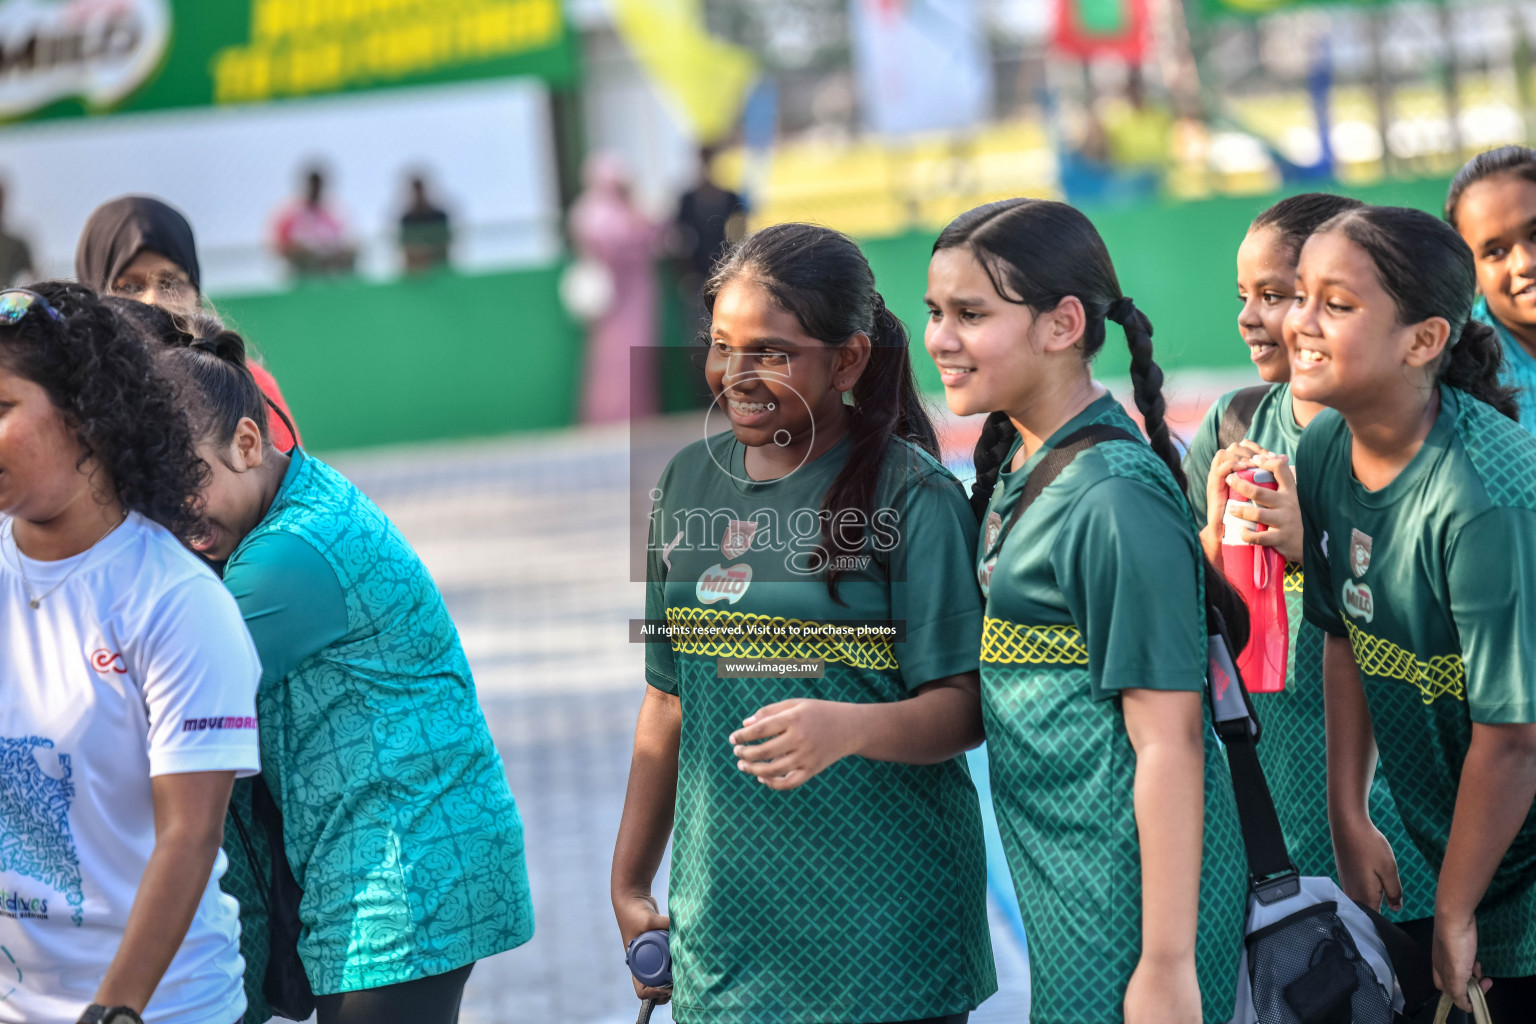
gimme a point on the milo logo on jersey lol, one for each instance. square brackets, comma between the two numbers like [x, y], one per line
[1358, 601]
[723, 583]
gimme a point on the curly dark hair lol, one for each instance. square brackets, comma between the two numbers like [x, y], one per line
[100, 376]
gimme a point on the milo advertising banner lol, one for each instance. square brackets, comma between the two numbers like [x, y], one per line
[61, 58]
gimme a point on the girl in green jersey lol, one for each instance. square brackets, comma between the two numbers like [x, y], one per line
[828, 865]
[1112, 794]
[1292, 752]
[1492, 205]
[1418, 498]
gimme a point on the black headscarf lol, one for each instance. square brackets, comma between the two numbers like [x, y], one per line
[121, 229]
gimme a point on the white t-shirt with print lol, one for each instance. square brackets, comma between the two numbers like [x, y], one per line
[138, 665]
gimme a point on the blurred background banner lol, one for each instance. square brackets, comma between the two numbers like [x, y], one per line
[445, 146]
[1256, 8]
[88, 56]
[704, 79]
[1101, 28]
[921, 64]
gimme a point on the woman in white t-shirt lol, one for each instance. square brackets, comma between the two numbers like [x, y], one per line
[127, 686]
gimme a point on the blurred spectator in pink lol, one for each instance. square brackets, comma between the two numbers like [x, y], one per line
[609, 230]
[311, 234]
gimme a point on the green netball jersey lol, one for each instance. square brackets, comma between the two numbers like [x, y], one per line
[1096, 589]
[860, 896]
[1293, 750]
[1430, 578]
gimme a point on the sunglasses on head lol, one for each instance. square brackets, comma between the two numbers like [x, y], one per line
[16, 303]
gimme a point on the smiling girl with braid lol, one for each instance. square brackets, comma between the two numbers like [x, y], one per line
[1112, 795]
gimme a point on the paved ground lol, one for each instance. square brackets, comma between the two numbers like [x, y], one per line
[529, 540]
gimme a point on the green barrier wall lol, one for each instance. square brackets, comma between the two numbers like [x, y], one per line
[444, 356]
[455, 355]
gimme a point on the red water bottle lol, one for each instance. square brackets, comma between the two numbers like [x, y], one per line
[1258, 573]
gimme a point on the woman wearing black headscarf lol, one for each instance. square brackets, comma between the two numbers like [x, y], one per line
[141, 248]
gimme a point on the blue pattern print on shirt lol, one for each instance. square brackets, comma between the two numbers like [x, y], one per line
[398, 821]
[35, 838]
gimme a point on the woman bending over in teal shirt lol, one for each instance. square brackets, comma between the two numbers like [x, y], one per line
[398, 823]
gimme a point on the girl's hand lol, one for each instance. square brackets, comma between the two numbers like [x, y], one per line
[1455, 960]
[1227, 462]
[1163, 993]
[637, 914]
[1367, 866]
[787, 744]
[1278, 509]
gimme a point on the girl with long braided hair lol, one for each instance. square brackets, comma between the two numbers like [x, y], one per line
[1113, 798]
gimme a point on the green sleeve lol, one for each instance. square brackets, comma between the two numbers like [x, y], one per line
[1319, 601]
[659, 669]
[933, 583]
[290, 598]
[1203, 448]
[1489, 565]
[1128, 565]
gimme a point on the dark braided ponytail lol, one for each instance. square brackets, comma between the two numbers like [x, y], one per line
[822, 278]
[1036, 252]
[1424, 265]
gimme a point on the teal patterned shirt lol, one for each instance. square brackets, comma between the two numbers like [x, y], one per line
[1519, 365]
[398, 821]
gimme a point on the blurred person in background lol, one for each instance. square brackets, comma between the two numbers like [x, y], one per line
[607, 228]
[709, 218]
[311, 235]
[397, 820]
[15, 254]
[1138, 132]
[129, 685]
[425, 231]
[138, 247]
[1492, 205]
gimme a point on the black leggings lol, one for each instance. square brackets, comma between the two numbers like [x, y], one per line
[1510, 999]
[433, 1000]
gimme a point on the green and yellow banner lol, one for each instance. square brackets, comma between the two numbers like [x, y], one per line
[61, 58]
[1259, 8]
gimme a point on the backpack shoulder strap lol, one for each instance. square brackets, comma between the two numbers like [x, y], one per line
[1239, 415]
[1056, 461]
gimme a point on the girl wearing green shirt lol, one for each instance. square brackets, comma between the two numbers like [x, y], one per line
[1492, 205]
[1418, 500]
[1292, 751]
[828, 864]
[1112, 794]
[398, 824]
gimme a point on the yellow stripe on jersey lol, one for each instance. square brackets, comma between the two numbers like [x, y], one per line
[879, 655]
[1441, 676]
[1007, 643]
[1293, 577]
